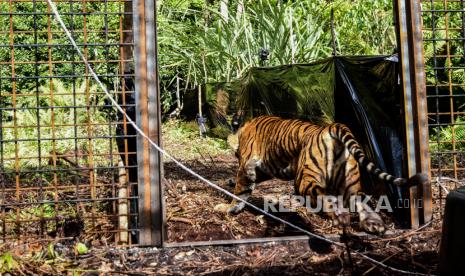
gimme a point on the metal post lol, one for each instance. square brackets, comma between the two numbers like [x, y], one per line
[333, 32]
[412, 73]
[178, 93]
[148, 119]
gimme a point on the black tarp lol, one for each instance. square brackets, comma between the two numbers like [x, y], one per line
[361, 92]
[368, 100]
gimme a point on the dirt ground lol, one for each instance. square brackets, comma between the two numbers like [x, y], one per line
[411, 251]
[190, 206]
[190, 216]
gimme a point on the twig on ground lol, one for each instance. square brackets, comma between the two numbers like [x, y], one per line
[180, 219]
[408, 234]
[375, 266]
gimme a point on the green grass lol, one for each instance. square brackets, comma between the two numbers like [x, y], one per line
[182, 140]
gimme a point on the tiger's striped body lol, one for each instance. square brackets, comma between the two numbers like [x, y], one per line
[322, 160]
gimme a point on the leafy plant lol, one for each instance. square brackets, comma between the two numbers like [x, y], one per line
[7, 262]
[451, 138]
[224, 49]
[199, 45]
[364, 27]
[46, 123]
[29, 29]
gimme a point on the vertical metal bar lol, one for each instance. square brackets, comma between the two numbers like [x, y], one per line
[148, 119]
[88, 125]
[140, 72]
[125, 23]
[154, 123]
[52, 111]
[2, 169]
[435, 63]
[75, 123]
[39, 148]
[90, 128]
[12, 51]
[121, 235]
[462, 16]
[408, 18]
[448, 65]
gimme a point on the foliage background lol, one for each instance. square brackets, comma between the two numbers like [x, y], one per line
[34, 92]
[199, 45]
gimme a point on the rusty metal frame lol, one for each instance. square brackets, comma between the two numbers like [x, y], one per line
[148, 119]
[66, 170]
[412, 75]
[239, 241]
[444, 40]
[150, 188]
[141, 15]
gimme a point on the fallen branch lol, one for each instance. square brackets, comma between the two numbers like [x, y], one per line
[179, 219]
[375, 266]
[408, 234]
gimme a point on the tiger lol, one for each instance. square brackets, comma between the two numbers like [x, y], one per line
[322, 160]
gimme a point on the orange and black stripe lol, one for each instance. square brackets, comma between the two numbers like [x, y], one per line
[343, 134]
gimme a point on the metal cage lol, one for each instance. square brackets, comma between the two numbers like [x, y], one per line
[68, 161]
[63, 149]
[444, 47]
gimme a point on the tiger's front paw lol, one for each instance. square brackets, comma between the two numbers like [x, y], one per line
[230, 208]
[223, 207]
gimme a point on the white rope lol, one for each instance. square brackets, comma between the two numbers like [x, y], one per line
[438, 180]
[120, 109]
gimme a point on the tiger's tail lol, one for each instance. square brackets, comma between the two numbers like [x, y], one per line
[343, 134]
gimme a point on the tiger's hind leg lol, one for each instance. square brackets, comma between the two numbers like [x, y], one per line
[323, 202]
[331, 207]
[351, 189]
[370, 221]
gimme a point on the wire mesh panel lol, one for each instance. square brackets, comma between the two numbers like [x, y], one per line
[444, 42]
[59, 137]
